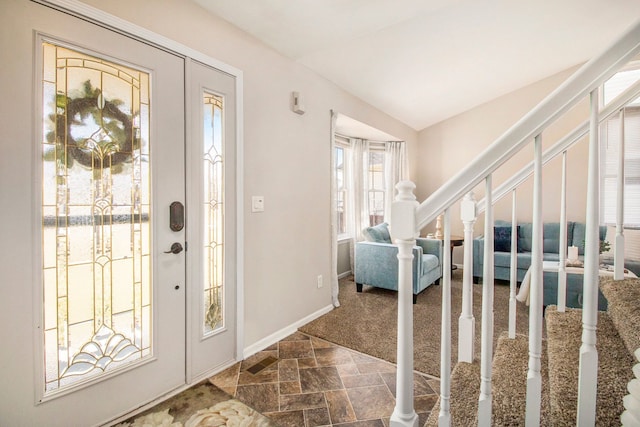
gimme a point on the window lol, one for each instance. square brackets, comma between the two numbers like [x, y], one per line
[341, 189]
[376, 192]
[609, 152]
[360, 184]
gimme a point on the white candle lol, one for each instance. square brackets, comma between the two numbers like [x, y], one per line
[573, 253]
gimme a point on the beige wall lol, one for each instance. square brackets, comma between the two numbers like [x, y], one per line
[287, 160]
[445, 148]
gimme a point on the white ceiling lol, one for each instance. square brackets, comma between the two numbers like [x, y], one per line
[422, 61]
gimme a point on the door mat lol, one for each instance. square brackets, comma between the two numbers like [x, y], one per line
[201, 405]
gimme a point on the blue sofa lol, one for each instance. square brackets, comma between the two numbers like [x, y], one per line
[551, 245]
[376, 261]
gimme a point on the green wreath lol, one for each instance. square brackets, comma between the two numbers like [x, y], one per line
[111, 145]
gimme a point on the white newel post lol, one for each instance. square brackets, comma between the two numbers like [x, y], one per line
[588, 375]
[403, 232]
[467, 322]
[618, 247]
[562, 266]
[534, 378]
[486, 339]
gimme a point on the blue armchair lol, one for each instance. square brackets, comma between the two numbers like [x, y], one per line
[376, 261]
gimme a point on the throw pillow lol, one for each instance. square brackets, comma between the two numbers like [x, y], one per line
[502, 239]
[379, 233]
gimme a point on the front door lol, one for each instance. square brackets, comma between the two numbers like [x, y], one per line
[93, 186]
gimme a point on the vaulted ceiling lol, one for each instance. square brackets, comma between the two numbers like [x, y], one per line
[422, 61]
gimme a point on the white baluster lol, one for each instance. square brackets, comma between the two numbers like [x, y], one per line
[618, 263]
[513, 271]
[562, 268]
[587, 379]
[486, 343]
[631, 416]
[534, 379]
[403, 231]
[444, 417]
[467, 322]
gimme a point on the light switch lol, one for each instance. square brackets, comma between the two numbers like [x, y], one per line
[257, 204]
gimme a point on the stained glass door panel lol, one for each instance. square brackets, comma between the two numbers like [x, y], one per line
[213, 195]
[96, 223]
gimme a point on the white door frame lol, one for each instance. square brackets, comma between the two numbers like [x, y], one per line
[130, 29]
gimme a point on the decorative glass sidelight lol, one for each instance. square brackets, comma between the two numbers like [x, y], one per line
[213, 196]
[96, 251]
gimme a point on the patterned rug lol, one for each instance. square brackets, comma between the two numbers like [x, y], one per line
[203, 405]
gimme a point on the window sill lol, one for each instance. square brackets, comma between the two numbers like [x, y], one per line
[342, 238]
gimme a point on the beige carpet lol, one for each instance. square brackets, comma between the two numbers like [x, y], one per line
[367, 322]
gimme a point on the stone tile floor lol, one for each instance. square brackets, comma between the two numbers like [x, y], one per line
[317, 383]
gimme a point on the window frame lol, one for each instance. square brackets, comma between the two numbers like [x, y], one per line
[375, 148]
[375, 213]
[609, 169]
[344, 232]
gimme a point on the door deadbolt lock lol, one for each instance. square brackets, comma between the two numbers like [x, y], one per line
[176, 248]
[176, 216]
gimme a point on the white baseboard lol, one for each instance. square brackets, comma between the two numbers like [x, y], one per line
[345, 274]
[283, 333]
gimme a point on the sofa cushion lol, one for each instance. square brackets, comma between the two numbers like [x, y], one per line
[502, 239]
[550, 236]
[550, 256]
[378, 234]
[579, 233]
[429, 262]
[524, 236]
[579, 230]
[502, 259]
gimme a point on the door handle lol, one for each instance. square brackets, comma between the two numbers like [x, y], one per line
[176, 248]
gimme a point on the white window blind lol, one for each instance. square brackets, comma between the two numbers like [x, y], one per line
[620, 82]
[609, 169]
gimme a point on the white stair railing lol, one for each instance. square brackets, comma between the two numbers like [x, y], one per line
[408, 218]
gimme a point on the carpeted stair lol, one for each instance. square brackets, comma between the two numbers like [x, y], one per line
[465, 388]
[509, 381]
[617, 339]
[564, 332]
